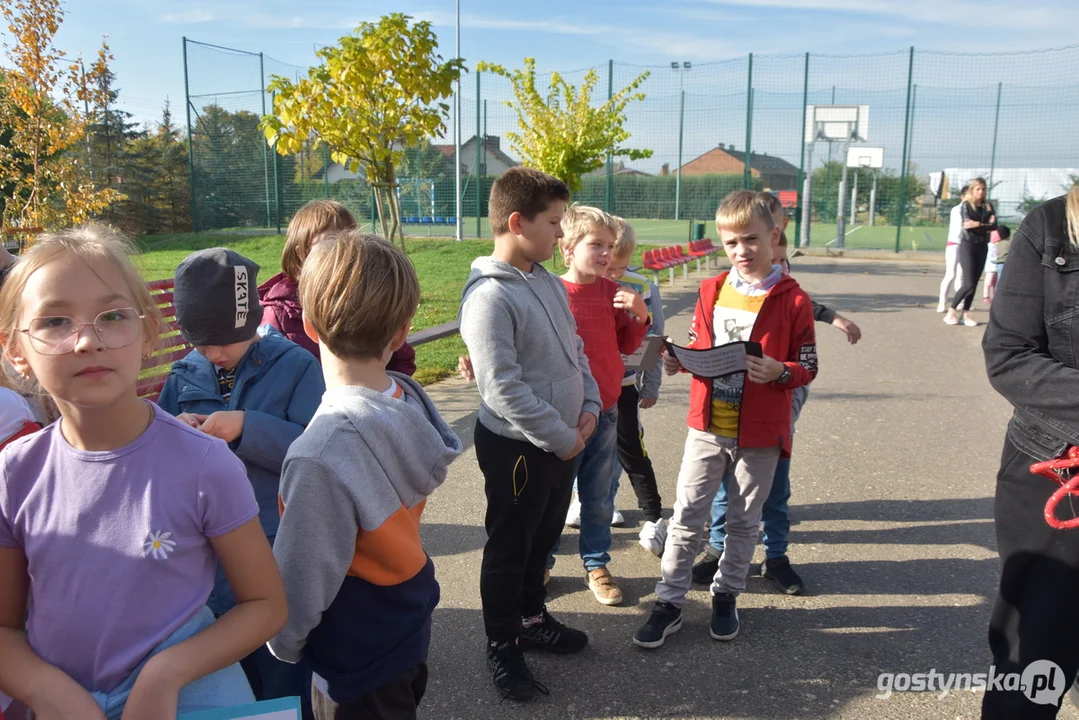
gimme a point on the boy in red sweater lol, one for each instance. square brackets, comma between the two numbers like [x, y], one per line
[611, 321]
[731, 421]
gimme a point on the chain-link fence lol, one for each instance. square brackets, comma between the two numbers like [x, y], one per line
[942, 119]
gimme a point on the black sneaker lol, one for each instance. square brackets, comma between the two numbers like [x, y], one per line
[664, 620]
[724, 617]
[512, 677]
[553, 637]
[705, 569]
[782, 575]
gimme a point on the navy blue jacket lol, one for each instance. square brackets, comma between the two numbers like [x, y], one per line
[279, 386]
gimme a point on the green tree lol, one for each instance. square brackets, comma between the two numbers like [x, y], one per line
[827, 176]
[378, 91]
[1028, 202]
[561, 133]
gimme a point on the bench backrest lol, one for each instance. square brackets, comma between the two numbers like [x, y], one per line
[170, 346]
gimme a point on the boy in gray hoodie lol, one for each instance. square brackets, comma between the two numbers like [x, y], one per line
[360, 587]
[539, 405]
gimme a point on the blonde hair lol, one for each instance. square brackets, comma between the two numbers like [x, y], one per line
[90, 243]
[1073, 215]
[739, 209]
[357, 292]
[310, 221]
[580, 220]
[625, 238]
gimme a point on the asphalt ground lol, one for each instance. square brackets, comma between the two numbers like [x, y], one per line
[893, 471]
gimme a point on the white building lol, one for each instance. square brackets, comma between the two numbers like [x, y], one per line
[1012, 185]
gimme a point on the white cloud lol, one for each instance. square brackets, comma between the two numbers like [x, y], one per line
[189, 17]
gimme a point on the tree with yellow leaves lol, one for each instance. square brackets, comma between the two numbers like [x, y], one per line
[562, 133]
[380, 90]
[43, 169]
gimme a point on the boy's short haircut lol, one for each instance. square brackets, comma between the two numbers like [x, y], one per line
[580, 220]
[625, 238]
[357, 292]
[313, 219]
[525, 191]
[774, 206]
[964, 190]
[739, 209]
[1004, 231]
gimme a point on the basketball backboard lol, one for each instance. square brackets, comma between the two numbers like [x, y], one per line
[837, 123]
[865, 157]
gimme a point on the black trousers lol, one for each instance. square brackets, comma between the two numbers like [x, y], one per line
[972, 261]
[396, 700]
[634, 458]
[528, 494]
[1033, 617]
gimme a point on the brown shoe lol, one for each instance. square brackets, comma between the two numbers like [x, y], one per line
[601, 583]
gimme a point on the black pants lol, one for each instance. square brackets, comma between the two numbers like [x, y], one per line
[632, 455]
[972, 261]
[396, 700]
[528, 493]
[1033, 617]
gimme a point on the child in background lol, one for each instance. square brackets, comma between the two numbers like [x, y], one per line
[639, 392]
[539, 404]
[280, 295]
[360, 587]
[257, 392]
[953, 273]
[775, 516]
[732, 422]
[118, 511]
[16, 418]
[994, 261]
[612, 322]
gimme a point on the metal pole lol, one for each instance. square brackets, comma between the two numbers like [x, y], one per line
[190, 148]
[993, 157]
[854, 200]
[681, 131]
[801, 157]
[873, 202]
[906, 140]
[457, 133]
[610, 158]
[747, 176]
[828, 165]
[841, 215]
[481, 146]
[807, 195]
[265, 146]
[89, 135]
[276, 184]
[913, 110]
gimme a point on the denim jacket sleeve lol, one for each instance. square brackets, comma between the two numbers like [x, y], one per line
[1019, 355]
[266, 438]
[168, 400]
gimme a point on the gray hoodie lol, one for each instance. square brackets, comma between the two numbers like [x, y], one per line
[529, 361]
[353, 488]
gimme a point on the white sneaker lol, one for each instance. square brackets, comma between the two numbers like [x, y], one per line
[968, 320]
[942, 308]
[653, 536]
[573, 517]
[618, 519]
[952, 318]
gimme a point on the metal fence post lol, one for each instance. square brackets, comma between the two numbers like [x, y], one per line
[480, 148]
[265, 145]
[190, 148]
[993, 156]
[276, 182]
[906, 140]
[610, 159]
[800, 186]
[681, 136]
[747, 176]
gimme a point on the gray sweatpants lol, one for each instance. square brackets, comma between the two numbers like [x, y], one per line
[704, 463]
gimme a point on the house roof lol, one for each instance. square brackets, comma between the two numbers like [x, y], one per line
[493, 147]
[722, 160]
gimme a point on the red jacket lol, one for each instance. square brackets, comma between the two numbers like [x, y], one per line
[280, 298]
[784, 328]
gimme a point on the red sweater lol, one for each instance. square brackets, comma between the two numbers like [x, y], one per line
[784, 328]
[608, 333]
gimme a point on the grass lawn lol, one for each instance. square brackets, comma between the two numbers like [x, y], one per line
[442, 266]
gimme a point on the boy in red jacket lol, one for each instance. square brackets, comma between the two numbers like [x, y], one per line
[731, 421]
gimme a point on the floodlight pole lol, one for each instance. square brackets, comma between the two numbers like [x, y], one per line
[841, 214]
[807, 193]
[873, 202]
[457, 134]
[681, 69]
[854, 200]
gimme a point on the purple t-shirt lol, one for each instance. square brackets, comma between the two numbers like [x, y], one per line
[117, 542]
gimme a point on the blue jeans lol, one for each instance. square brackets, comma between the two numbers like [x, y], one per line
[774, 517]
[594, 480]
[224, 688]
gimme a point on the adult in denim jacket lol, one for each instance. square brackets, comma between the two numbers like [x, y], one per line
[1031, 352]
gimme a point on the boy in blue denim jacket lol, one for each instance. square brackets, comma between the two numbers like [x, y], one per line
[250, 387]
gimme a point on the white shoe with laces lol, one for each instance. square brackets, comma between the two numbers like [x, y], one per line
[653, 536]
[618, 519]
[952, 318]
[968, 320]
[573, 517]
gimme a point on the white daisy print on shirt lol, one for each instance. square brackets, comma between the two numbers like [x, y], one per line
[158, 545]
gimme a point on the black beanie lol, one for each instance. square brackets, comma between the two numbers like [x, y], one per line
[216, 297]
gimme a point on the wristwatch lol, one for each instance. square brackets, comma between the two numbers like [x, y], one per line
[784, 377]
